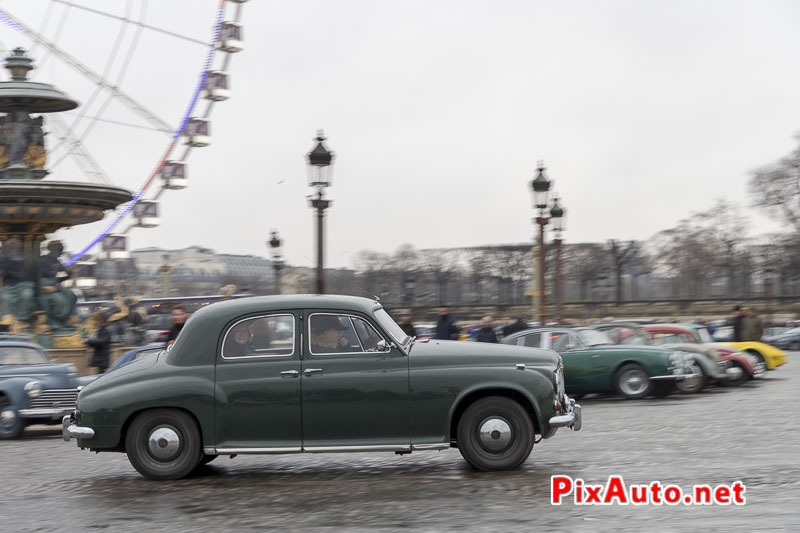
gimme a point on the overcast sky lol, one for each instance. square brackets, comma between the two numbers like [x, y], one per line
[438, 111]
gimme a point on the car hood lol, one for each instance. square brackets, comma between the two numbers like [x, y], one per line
[623, 349]
[458, 353]
[708, 351]
[51, 376]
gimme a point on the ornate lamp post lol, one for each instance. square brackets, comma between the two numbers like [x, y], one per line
[540, 189]
[277, 261]
[557, 218]
[320, 176]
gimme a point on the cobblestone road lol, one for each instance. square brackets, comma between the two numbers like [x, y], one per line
[722, 435]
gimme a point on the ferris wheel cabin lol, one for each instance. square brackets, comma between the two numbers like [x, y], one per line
[216, 86]
[84, 275]
[173, 175]
[197, 132]
[230, 37]
[114, 247]
[145, 214]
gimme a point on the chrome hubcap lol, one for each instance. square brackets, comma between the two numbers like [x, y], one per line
[693, 382]
[495, 434]
[164, 443]
[633, 382]
[8, 417]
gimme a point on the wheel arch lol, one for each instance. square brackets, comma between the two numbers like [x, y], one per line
[132, 416]
[479, 394]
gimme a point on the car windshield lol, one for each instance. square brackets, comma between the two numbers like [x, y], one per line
[592, 337]
[704, 335]
[21, 355]
[391, 326]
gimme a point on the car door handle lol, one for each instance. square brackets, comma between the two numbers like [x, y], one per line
[290, 374]
[309, 371]
[595, 355]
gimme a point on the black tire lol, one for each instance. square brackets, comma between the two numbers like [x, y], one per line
[662, 389]
[175, 449]
[735, 382]
[795, 346]
[632, 382]
[11, 425]
[508, 435]
[695, 384]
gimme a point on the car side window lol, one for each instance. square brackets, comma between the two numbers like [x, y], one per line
[367, 335]
[533, 340]
[331, 333]
[262, 336]
[559, 341]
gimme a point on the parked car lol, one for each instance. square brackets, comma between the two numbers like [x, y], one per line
[769, 355]
[425, 331]
[34, 389]
[742, 367]
[127, 357]
[788, 340]
[708, 367]
[157, 328]
[220, 391]
[592, 363]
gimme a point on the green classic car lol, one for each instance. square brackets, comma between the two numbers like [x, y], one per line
[290, 374]
[592, 363]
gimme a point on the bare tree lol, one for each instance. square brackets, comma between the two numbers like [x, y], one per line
[585, 263]
[622, 256]
[776, 188]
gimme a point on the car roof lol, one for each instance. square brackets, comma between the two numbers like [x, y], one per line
[316, 301]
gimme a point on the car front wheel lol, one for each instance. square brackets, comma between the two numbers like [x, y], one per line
[632, 382]
[163, 444]
[495, 433]
[11, 425]
[695, 383]
[737, 377]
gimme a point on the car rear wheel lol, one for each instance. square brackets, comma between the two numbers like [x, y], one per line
[737, 377]
[795, 346]
[758, 356]
[695, 383]
[11, 425]
[632, 382]
[163, 444]
[495, 433]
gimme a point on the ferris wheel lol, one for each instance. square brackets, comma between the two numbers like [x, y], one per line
[147, 75]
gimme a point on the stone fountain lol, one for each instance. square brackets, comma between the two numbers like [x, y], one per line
[32, 299]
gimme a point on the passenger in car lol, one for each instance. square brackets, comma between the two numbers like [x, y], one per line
[238, 342]
[326, 335]
[262, 340]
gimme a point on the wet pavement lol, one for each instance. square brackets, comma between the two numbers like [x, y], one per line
[721, 435]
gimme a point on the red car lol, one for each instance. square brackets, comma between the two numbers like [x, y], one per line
[672, 333]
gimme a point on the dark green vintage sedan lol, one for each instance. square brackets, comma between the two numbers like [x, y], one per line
[289, 374]
[592, 363]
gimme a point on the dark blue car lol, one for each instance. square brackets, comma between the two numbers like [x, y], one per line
[788, 340]
[34, 389]
[127, 357]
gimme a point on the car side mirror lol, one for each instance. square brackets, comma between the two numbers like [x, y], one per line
[383, 346]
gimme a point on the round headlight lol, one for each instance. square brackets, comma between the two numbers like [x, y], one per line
[33, 389]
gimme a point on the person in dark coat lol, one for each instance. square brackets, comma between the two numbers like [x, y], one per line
[738, 318]
[179, 317]
[486, 333]
[446, 327]
[519, 325]
[101, 343]
[406, 325]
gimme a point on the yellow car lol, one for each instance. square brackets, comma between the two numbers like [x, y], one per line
[771, 356]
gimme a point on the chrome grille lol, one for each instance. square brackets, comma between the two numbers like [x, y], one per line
[56, 398]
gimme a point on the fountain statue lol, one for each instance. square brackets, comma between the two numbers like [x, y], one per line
[32, 298]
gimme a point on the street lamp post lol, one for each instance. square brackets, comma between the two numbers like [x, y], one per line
[320, 176]
[557, 217]
[540, 189]
[277, 261]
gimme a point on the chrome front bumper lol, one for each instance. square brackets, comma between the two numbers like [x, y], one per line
[676, 377]
[53, 413]
[70, 429]
[572, 419]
